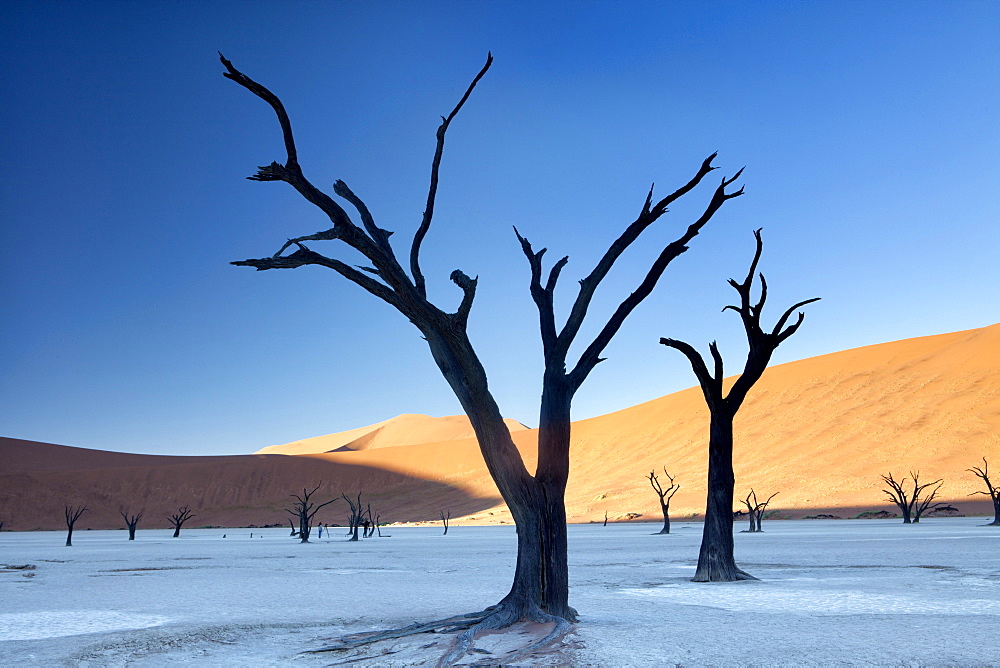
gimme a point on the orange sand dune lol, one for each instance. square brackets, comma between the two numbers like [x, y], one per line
[407, 429]
[819, 431]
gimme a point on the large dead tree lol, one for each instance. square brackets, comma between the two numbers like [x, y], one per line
[755, 509]
[131, 521]
[993, 491]
[716, 562]
[304, 510]
[178, 519]
[72, 515]
[912, 504]
[540, 591]
[664, 494]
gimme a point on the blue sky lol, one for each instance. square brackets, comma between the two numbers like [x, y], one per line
[869, 132]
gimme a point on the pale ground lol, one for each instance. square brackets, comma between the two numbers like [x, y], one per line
[858, 592]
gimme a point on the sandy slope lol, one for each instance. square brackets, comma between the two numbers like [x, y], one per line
[406, 429]
[818, 431]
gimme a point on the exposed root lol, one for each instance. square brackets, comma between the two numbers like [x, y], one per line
[448, 625]
[496, 617]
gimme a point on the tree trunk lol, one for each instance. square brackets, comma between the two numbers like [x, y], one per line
[996, 511]
[131, 532]
[537, 503]
[715, 560]
[177, 531]
[69, 537]
[666, 519]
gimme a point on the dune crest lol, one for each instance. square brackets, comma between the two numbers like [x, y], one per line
[406, 429]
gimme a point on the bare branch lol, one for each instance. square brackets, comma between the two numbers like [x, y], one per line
[272, 99]
[425, 224]
[590, 357]
[710, 387]
[305, 256]
[468, 286]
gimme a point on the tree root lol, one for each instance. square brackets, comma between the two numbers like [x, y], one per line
[496, 617]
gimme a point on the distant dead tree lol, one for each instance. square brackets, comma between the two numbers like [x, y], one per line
[914, 503]
[72, 515]
[295, 532]
[179, 518]
[357, 517]
[132, 521]
[755, 510]
[605, 518]
[304, 509]
[993, 491]
[665, 495]
[715, 559]
[445, 520]
[540, 590]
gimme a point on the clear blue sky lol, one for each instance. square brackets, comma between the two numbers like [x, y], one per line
[869, 132]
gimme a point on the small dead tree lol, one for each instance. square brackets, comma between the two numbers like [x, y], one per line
[992, 491]
[540, 590]
[716, 562]
[131, 521]
[178, 519]
[72, 515]
[356, 518]
[914, 503]
[304, 509]
[445, 520]
[755, 510]
[665, 494]
[295, 532]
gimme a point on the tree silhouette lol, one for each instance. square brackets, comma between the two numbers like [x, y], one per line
[304, 510]
[445, 520]
[665, 494]
[131, 521]
[716, 562]
[179, 518]
[540, 591]
[914, 503]
[993, 491]
[755, 509]
[72, 515]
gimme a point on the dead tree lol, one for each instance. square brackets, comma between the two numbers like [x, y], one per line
[305, 510]
[755, 509]
[993, 491]
[1, 525]
[295, 532]
[914, 503]
[716, 562]
[179, 518]
[132, 521]
[665, 496]
[356, 518]
[445, 520]
[72, 515]
[540, 591]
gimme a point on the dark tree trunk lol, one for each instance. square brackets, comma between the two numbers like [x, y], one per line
[996, 511]
[666, 518]
[69, 537]
[716, 562]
